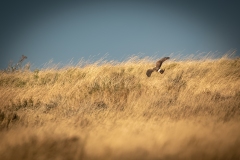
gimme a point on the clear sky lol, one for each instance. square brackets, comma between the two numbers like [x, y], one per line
[70, 30]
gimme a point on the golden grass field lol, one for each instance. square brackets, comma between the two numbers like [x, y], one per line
[110, 110]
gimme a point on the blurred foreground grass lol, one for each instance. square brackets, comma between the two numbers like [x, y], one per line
[114, 111]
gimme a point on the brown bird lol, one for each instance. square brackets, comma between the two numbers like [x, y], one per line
[158, 66]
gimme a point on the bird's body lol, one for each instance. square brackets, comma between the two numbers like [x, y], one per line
[158, 66]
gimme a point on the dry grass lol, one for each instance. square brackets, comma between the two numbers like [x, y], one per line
[114, 111]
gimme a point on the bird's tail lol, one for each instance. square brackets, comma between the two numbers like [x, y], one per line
[161, 71]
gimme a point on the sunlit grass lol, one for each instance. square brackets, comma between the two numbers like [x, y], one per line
[112, 110]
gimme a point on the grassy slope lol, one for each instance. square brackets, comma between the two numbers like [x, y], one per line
[114, 111]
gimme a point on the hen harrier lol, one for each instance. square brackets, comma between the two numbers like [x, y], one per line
[157, 68]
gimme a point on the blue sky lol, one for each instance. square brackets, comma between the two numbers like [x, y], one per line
[70, 30]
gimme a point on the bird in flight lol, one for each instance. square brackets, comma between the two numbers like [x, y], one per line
[158, 66]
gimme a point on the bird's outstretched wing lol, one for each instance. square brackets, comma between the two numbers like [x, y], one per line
[149, 72]
[159, 62]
